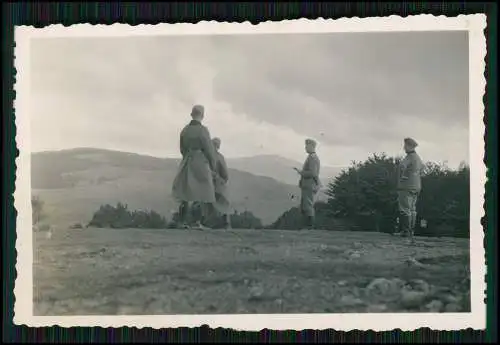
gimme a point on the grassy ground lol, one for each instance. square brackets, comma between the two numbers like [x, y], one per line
[134, 271]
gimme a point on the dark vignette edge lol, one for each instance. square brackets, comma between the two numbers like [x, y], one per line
[419, 9]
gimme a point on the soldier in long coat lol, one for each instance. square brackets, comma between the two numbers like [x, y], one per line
[194, 180]
[409, 186]
[309, 183]
[221, 188]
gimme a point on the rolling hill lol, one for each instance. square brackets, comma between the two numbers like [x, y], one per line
[74, 183]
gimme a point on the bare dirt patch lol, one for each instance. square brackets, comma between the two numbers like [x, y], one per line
[137, 271]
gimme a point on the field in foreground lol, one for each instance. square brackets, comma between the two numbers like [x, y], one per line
[136, 271]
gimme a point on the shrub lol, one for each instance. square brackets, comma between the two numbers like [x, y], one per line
[366, 194]
[120, 217]
[243, 220]
[292, 219]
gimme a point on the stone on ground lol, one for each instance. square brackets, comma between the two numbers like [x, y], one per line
[412, 299]
[434, 306]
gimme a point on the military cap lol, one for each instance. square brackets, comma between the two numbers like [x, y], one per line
[311, 141]
[411, 142]
[197, 110]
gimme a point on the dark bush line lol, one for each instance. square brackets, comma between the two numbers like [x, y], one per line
[119, 217]
[361, 198]
[239, 220]
[365, 195]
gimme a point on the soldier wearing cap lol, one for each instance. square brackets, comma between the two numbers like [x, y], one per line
[409, 186]
[221, 178]
[309, 183]
[194, 180]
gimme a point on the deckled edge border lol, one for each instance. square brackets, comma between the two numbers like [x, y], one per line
[119, 26]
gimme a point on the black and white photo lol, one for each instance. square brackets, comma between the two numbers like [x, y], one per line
[316, 174]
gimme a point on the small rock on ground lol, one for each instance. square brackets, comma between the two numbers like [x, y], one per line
[384, 287]
[435, 306]
[350, 300]
[420, 285]
[256, 291]
[412, 299]
[453, 308]
[357, 245]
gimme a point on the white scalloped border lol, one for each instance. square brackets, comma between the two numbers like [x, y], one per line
[23, 289]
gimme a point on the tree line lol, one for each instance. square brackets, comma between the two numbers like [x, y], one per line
[362, 197]
[119, 217]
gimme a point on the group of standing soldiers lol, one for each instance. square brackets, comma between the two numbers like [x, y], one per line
[201, 181]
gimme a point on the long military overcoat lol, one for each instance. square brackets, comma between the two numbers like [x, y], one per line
[194, 180]
[221, 184]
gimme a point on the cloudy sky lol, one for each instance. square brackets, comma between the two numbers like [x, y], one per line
[356, 93]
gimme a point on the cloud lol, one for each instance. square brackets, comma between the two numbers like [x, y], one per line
[355, 93]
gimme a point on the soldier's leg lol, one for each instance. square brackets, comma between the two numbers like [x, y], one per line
[205, 212]
[311, 222]
[304, 210]
[308, 207]
[413, 211]
[196, 213]
[184, 212]
[220, 212]
[227, 218]
[312, 212]
[404, 212]
[301, 209]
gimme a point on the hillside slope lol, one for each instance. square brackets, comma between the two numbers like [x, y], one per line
[74, 183]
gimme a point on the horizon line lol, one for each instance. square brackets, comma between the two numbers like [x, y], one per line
[239, 157]
[168, 157]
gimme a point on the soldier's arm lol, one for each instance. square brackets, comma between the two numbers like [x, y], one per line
[312, 168]
[403, 169]
[182, 145]
[414, 166]
[208, 149]
[421, 167]
[223, 172]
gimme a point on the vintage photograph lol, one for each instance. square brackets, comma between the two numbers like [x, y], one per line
[312, 173]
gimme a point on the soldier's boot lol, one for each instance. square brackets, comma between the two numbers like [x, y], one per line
[310, 222]
[304, 222]
[200, 225]
[405, 225]
[227, 222]
[413, 223]
[202, 214]
[183, 216]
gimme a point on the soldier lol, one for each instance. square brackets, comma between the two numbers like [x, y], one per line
[309, 183]
[409, 186]
[194, 180]
[220, 181]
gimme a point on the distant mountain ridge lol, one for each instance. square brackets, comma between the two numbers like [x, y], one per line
[279, 168]
[74, 183]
